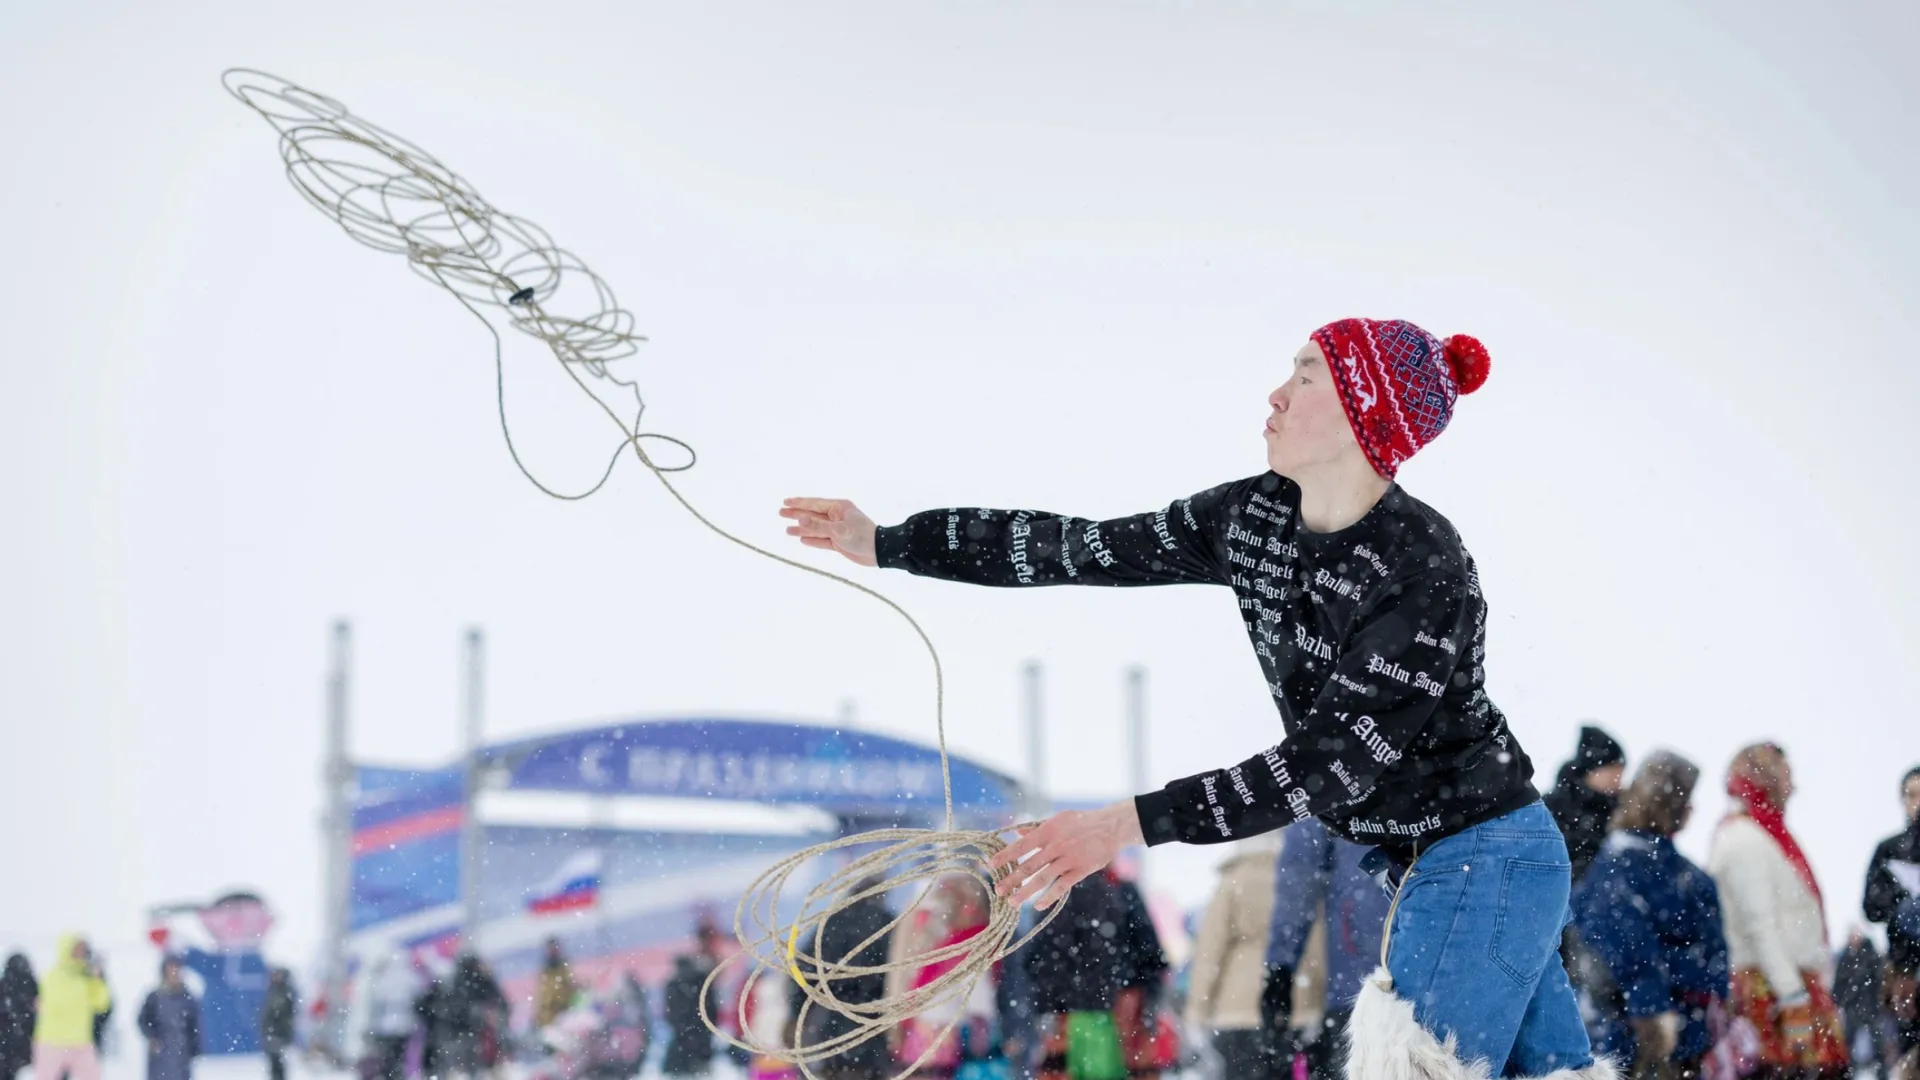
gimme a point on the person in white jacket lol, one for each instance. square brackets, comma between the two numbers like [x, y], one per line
[392, 988]
[1775, 924]
[1229, 960]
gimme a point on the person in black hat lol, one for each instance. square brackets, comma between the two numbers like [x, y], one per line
[1585, 795]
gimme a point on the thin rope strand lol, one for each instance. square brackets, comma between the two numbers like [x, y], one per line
[391, 195]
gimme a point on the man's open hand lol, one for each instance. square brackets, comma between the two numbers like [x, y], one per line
[1053, 856]
[832, 524]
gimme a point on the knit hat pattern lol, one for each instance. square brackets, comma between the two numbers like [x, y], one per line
[1398, 383]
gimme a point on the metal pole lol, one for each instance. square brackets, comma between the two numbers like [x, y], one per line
[1036, 740]
[337, 831]
[1137, 743]
[470, 835]
[1137, 729]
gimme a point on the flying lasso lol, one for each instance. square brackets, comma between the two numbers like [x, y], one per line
[391, 195]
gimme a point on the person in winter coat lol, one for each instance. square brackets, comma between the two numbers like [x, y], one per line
[434, 1009]
[1858, 982]
[72, 993]
[959, 907]
[170, 1022]
[1585, 795]
[838, 941]
[557, 987]
[1652, 919]
[1365, 612]
[1075, 964]
[1775, 923]
[689, 1049]
[1229, 964]
[1320, 882]
[1144, 969]
[392, 988]
[277, 1015]
[1893, 898]
[474, 1006]
[19, 995]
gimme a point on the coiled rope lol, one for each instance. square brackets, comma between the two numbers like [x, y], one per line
[393, 196]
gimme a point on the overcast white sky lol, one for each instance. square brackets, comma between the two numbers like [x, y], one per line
[1043, 255]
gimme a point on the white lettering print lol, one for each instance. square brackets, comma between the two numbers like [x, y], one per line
[1365, 552]
[1267, 591]
[1066, 556]
[1238, 535]
[1297, 802]
[953, 530]
[1310, 644]
[1260, 500]
[1338, 585]
[1267, 516]
[1380, 665]
[1275, 547]
[1391, 827]
[1020, 530]
[1098, 546]
[1446, 645]
[1281, 777]
[1165, 534]
[1274, 569]
[1368, 731]
[1339, 770]
[1207, 785]
[1240, 785]
[1423, 681]
[1358, 688]
[1241, 559]
[1186, 514]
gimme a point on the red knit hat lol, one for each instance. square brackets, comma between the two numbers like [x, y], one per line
[1398, 383]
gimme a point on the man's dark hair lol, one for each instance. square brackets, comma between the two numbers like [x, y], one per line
[1912, 774]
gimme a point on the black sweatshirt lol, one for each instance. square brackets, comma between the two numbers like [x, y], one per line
[1371, 640]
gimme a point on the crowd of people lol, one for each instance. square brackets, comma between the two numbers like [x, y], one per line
[57, 1024]
[1682, 971]
[1720, 972]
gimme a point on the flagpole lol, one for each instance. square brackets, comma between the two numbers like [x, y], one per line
[470, 836]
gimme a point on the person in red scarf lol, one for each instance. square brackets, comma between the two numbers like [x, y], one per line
[1776, 924]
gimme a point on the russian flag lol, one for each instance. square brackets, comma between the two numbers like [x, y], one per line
[575, 886]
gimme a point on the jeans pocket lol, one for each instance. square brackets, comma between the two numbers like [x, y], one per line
[1532, 910]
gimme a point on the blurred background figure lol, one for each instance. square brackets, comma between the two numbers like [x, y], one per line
[839, 940]
[958, 906]
[1893, 898]
[19, 993]
[72, 994]
[475, 1007]
[278, 1011]
[1075, 968]
[1858, 984]
[1229, 966]
[170, 1022]
[689, 1050]
[1652, 922]
[1329, 916]
[557, 986]
[1586, 793]
[1776, 923]
[392, 988]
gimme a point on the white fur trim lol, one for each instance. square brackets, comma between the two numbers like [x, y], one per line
[1384, 1042]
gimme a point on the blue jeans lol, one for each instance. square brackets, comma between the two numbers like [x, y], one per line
[1476, 945]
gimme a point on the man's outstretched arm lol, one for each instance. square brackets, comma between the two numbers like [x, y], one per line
[1015, 548]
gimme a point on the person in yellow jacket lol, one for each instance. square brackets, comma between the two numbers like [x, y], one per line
[72, 993]
[557, 986]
